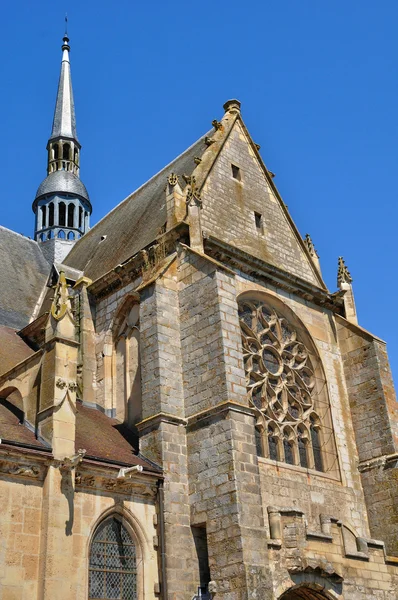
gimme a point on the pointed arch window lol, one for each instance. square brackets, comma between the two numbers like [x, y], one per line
[43, 216]
[286, 386]
[62, 214]
[112, 563]
[66, 151]
[71, 214]
[51, 214]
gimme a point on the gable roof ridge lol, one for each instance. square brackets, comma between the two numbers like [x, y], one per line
[210, 156]
[282, 204]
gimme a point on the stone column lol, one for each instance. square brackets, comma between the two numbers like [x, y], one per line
[39, 217]
[56, 211]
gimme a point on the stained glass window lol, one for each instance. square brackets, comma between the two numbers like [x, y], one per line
[281, 384]
[112, 568]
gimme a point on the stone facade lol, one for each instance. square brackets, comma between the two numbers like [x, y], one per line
[226, 500]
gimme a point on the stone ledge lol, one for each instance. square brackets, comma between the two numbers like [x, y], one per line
[161, 417]
[219, 409]
[317, 535]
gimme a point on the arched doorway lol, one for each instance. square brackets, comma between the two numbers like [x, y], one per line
[303, 593]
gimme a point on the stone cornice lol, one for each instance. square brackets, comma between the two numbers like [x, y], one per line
[217, 264]
[260, 270]
[161, 417]
[61, 340]
[22, 365]
[387, 461]
[218, 410]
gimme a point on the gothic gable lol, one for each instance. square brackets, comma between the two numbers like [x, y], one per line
[241, 207]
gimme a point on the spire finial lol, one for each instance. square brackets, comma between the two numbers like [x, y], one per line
[65, 39]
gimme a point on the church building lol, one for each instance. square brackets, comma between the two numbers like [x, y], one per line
[186, 410]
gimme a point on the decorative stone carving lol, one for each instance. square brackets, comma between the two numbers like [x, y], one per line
[280, 375]
[280, 384]
[61, 383]
[216, 124]
[61, 302]
[343, 274]
[197, 160]
[209, 141]
[71, 462]
[193, 193]
[84, 480]
[172, 179]
[24, 470]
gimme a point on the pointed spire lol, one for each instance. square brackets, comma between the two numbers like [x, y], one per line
[343, 274]
[64, 123]
[344, 282]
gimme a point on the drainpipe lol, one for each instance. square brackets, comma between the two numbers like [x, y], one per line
[162, 540]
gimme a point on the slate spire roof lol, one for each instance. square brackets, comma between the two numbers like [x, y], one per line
[64, 123]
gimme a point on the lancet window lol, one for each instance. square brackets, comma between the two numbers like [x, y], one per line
[113, 563]
[286, 386]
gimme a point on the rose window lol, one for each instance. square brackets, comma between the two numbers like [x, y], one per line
[281, 386]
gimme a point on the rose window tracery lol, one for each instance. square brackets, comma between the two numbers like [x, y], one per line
[280, 385]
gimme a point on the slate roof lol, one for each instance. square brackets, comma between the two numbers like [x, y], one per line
[11, 428]
[133, 224]
[62, 182]
[23, 275]
[13, 349]
[64, 123]
[106, 438]
[103, 438]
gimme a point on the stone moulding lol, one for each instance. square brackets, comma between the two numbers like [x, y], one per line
[389, 461]
[144, 488]
[153, 422]
[219, 410]
[260, 270]
[24, 470]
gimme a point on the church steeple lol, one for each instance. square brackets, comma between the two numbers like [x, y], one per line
[62, 204]
[63, 146]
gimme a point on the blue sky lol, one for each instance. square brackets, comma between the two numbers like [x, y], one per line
[318, 86]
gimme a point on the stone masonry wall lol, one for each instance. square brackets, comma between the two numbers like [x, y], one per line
[20, 527]
[375, 415]
[222, 464]
[229, 206]
[340, 496]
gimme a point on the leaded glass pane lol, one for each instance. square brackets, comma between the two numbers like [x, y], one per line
[302, 452]
[112, 569]
[316, 448]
